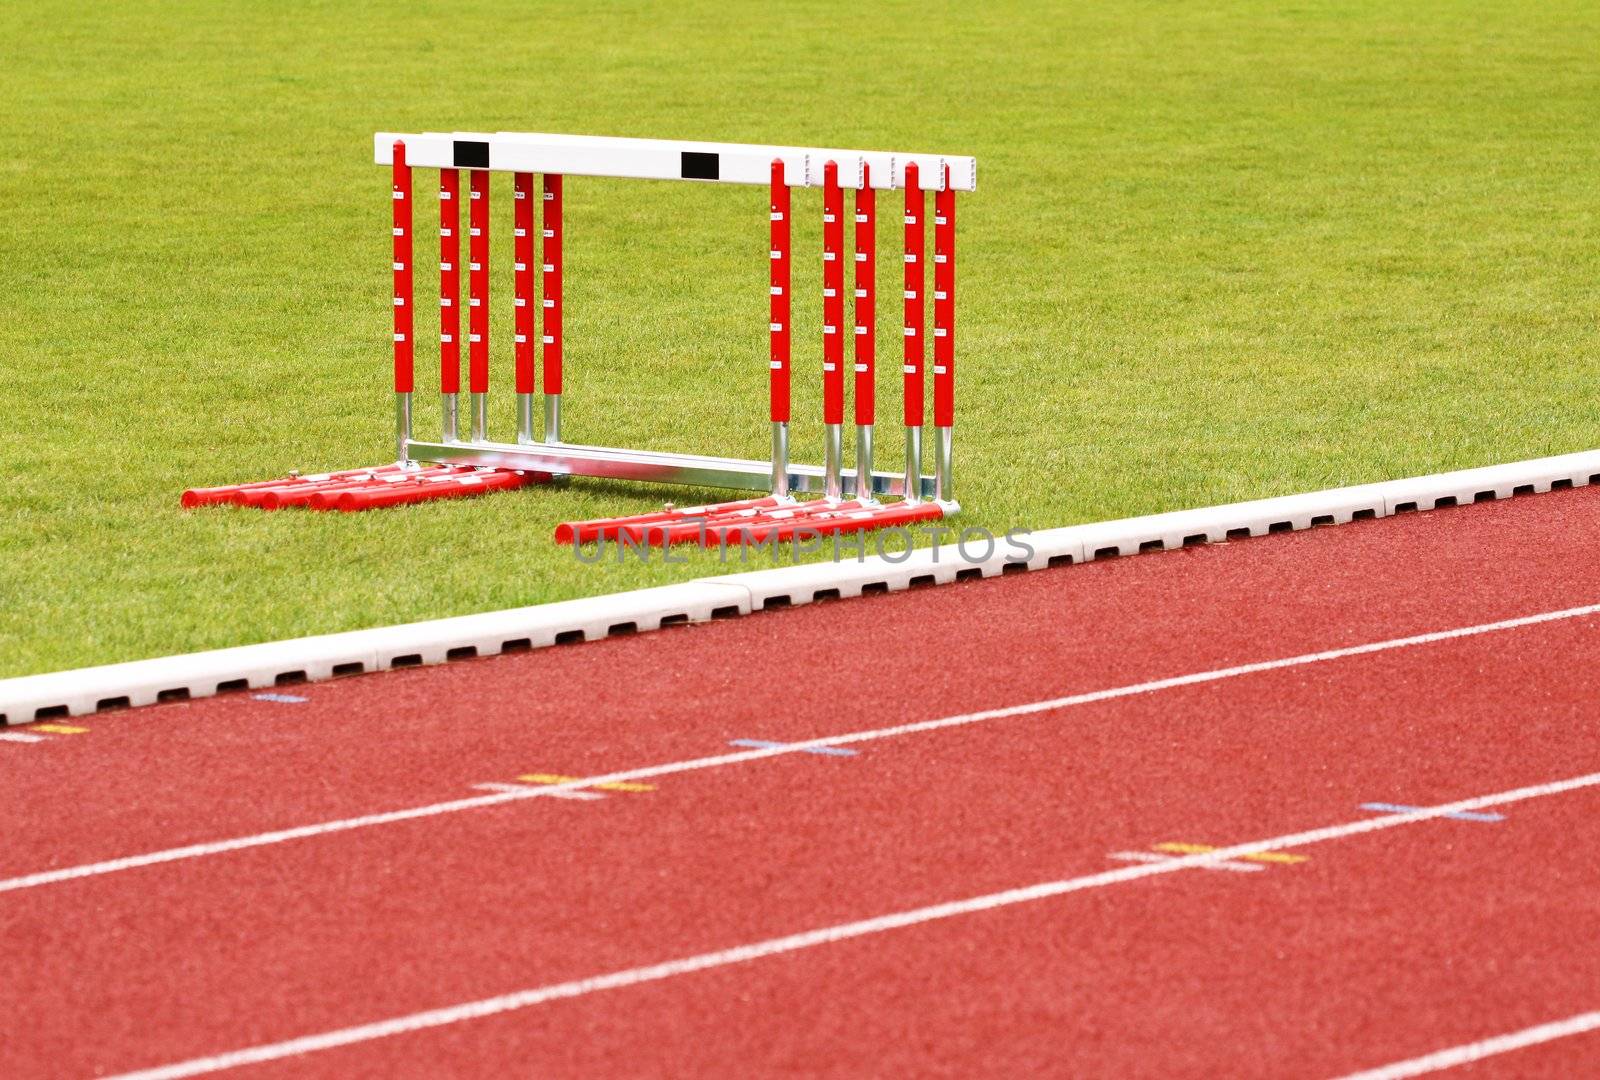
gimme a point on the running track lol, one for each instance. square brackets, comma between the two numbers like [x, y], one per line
[984, 895]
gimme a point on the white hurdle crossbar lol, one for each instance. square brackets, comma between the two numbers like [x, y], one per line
[669, 159]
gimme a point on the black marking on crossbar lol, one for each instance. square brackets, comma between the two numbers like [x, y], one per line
[698, 165]
[470, 154]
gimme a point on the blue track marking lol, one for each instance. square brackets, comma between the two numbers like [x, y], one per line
[288, 699]
[763, 744]
[1460, 815]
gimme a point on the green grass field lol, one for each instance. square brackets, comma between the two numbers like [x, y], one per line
[1217, 252]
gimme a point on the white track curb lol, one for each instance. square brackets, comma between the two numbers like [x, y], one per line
[309, 659]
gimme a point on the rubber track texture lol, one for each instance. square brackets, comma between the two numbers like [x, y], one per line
[1377, 948]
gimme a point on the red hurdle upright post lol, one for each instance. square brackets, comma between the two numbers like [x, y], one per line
[865, 331]
[450, 301]
[914, 397]
[522, 277]
[478, 302]
[944, 335]
[778, 327]
[832, 329]
[403, 303]
[551, 269]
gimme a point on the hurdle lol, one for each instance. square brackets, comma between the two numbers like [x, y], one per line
[851, 496]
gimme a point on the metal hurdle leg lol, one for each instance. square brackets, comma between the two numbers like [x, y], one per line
[865, 329]
[832, 329]
[778, 328]
[450, 303]
[551, 270]
[944, 336]
[914, 325]
[403, 304]
[522, 275]
[478, 302]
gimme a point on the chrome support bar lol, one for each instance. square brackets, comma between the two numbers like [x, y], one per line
[566, 459]
[402, 425]
[452, 417]
[480, 417]
[832, 464]
[913, 457]
[780, 459]
[552, 418]
[944, 482]
[525, 418]
[863, 460]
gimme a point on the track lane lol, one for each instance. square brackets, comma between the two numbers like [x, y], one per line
[407, 738]
[810, 840]
[1311, 975]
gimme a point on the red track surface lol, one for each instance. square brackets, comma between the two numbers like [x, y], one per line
[1380, 947]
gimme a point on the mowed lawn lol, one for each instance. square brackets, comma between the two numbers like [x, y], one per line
[1217, 252]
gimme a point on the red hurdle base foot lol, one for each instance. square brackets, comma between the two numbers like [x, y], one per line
[364, 489]
[751, 521]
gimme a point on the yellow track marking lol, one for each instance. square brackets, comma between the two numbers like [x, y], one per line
[1274, 857]
[60, 729]
[1254, 856]
[552, 778]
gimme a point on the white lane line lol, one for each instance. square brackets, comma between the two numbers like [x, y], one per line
[523, 999]
[217, 847]
[18, 736]
[584, 795]
[1477, 1051]
[69, 873]
[1152, 857]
